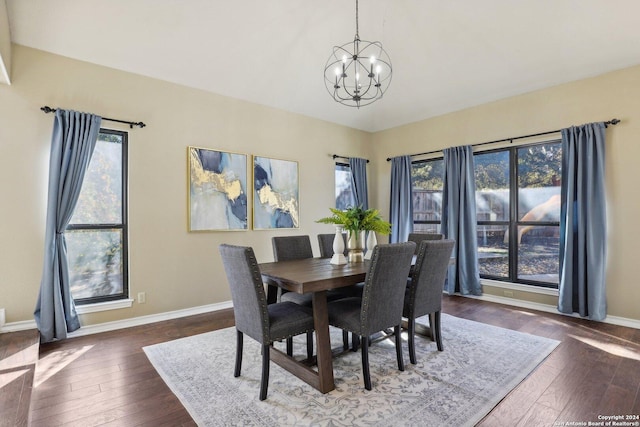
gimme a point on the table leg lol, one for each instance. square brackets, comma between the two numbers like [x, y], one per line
[323, 341]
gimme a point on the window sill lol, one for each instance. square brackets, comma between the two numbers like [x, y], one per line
[519, 287]
[104, 306]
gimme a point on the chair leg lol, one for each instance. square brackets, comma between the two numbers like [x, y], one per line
[396, 332]
[290, 346]
[309, 344]
[355, 339]
[365, 362]
[438, 332]
[432, 328]
[236, 372]
[412, 339]
[345, 340]
[264, 381]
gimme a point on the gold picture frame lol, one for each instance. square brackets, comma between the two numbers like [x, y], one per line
[217, 190]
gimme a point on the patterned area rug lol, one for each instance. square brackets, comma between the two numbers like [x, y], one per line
[480, 365]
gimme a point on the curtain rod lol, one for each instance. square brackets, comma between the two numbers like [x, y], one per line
[335, 156]
[48, 109]
[610, 122]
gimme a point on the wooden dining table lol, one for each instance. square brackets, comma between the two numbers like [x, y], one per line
[315, 276]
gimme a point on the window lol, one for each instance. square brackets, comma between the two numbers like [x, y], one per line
[344, 194]
[518, 213]
[427, 180]
[97, 233]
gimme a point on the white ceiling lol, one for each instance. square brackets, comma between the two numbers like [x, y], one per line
[446, 55]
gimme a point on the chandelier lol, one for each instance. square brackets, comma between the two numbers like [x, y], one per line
[357, 73]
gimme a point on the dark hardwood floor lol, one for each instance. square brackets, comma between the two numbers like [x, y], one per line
[106, 379]
[18, 358]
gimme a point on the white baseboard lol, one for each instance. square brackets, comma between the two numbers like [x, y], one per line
[144, 320]
[22, 325]
[614, 320]
[125, 323]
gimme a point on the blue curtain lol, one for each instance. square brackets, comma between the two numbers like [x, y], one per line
[583, 223]
[72, 143]
[459, 220]
[401, 206]
[359, 181]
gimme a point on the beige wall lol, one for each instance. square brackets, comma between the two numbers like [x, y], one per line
[601, 98]
[179, 270]
[5, 45]
[175, 268]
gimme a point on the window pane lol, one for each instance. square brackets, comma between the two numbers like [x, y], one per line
[100, 199]
[426, 228]
[344, 195]
[492, 186]
[539, 253]
[493, 250]
[427, 181]
[539, 182]
[95, 262]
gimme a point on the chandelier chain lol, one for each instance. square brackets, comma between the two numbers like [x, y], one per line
[357, 30]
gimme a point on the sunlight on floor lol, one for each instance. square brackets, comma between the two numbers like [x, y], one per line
[524, 312]
[615, 349]
[24, 357]
[55, 362]
[10, 376]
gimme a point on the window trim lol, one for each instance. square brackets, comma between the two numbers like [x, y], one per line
[95, 307]
[109, 302]
[514, 222]
[523, 287]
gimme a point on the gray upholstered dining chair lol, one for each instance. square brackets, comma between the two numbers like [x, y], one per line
[419, 237]
[380, 306]
[325, 242]
[265, 323]
[424, 289]
[289, 248]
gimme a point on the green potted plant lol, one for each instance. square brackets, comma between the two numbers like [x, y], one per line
[355, 220]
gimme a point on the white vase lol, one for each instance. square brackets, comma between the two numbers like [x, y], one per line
[338, 248]
[372, 241]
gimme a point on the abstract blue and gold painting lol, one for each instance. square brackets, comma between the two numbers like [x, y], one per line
[275, 194]
[217, 190]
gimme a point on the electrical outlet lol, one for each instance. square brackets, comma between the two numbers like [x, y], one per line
[142, 297]
[508, 294]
